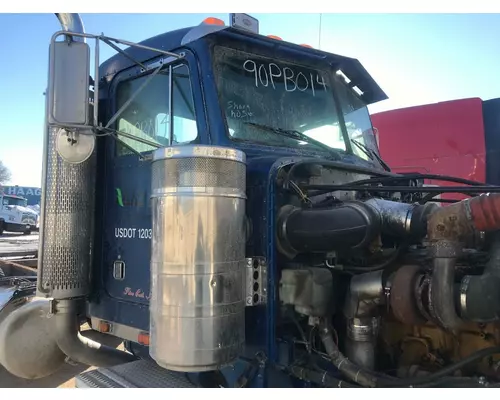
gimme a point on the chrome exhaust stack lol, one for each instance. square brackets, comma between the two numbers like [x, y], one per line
[66, 232]
[72, 22]
[67, 213]
[67, 204]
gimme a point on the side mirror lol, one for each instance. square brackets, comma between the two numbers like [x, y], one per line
[68, 88]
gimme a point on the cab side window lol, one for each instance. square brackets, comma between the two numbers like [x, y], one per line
[148, 117]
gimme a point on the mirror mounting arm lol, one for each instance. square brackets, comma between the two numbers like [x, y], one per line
[69, 102]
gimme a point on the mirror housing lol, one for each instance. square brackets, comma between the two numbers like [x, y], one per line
[69, 80]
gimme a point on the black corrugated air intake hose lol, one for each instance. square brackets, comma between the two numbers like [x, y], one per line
[349, 225]
[346, 226]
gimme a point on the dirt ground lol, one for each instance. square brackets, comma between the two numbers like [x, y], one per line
[64, 378]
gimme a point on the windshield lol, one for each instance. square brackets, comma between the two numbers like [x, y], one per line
[283, 104]
[14, 201]
[357, 119]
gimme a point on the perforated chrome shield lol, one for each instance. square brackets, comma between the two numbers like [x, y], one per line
[66, 224]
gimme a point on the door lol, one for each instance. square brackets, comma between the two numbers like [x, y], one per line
[146, 121]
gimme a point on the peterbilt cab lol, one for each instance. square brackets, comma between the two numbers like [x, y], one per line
[204, 85]
[231, 88]
[217, 201]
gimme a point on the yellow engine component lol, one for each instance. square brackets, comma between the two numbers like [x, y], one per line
[431, 347]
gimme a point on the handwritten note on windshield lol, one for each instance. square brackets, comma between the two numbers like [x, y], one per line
[272, 75]
[236, 110]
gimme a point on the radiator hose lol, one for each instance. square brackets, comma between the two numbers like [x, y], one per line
[372, 379]
[479, 294]
[346, 367]
[447, 229]
[319, 378]
[442, 373]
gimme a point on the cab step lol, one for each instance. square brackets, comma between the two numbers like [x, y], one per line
[136, 374]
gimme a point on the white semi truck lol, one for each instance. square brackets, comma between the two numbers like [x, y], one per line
[15, 216]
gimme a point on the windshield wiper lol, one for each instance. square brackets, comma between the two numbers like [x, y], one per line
[293, 134]
[371, 153]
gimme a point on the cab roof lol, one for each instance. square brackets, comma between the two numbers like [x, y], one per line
[187, 37]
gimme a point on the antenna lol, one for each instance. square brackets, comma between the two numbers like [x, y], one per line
[319, 33]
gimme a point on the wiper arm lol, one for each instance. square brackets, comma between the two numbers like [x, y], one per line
[293, 134]
[363, 148]
[371, 153]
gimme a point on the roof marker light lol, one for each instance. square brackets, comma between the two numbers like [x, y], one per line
[213, 21]
[274, 37]
[306, 45]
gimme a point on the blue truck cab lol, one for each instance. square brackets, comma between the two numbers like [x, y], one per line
[215, 198]
[231, 88]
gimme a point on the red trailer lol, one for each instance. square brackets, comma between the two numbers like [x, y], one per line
[458, 137]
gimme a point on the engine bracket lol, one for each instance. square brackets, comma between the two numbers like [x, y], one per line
[256, 281]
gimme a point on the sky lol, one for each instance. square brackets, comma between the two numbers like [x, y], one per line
[415, 58]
